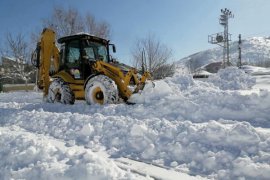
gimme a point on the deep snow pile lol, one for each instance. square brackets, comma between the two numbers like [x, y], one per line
[232, 78]
[187, 125]
[27, 156]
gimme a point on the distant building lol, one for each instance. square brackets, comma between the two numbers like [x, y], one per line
[212, 67]
[206, 70]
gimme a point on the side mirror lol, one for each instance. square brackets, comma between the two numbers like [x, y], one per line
[113, 47]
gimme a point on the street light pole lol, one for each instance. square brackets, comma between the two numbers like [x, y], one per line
[224, 21]
[222, 38]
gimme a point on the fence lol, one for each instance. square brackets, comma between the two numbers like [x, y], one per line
[17, 87]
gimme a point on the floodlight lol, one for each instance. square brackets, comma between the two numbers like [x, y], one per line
[219, 38]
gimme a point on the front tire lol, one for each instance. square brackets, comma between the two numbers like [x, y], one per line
[59, 91]
[101, 90]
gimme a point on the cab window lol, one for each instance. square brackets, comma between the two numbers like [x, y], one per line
[88, 53]
[95, 51]
[73, 54]
[102, 53]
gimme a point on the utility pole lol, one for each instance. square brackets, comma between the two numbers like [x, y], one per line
[143, 62]
[223, 38]
[239, 51]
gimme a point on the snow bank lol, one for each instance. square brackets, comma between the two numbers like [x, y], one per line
[151, 92]
[184, 124]
[27, 156]
[232, 78]
[212, 149]
[180, 82]
[187, 99]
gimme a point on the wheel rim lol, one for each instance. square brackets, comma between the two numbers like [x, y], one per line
[98, 95]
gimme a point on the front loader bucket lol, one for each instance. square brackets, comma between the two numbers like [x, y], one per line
[139, 97]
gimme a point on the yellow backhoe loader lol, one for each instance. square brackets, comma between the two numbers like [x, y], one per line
[83, 69]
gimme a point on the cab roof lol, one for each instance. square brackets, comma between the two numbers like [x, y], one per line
[82, 36]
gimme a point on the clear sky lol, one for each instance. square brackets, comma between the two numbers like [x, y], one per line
[183, 25]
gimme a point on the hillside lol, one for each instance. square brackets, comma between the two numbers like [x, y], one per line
[255, 51]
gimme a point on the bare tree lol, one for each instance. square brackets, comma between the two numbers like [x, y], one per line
[69, 21]
[64, 22]
[151, 55]
[16, 48]
[100, 29]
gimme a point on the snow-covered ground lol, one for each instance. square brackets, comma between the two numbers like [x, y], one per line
[191, 128]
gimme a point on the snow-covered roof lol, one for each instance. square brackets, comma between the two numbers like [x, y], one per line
[255, 70]
[9, 58]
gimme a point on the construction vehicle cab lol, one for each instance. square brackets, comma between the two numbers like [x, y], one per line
[79, 52]
[83, 69]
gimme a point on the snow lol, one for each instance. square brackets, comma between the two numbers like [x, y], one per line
[27, 156]
[232, 78]
[194, 129]
[163, 173]
[256, 70]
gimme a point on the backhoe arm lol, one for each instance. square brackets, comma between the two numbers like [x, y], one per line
[46, 52]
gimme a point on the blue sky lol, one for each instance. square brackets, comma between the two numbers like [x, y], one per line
[182, 25]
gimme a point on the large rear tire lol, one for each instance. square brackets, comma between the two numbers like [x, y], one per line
[101, 90]
[59, 91]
